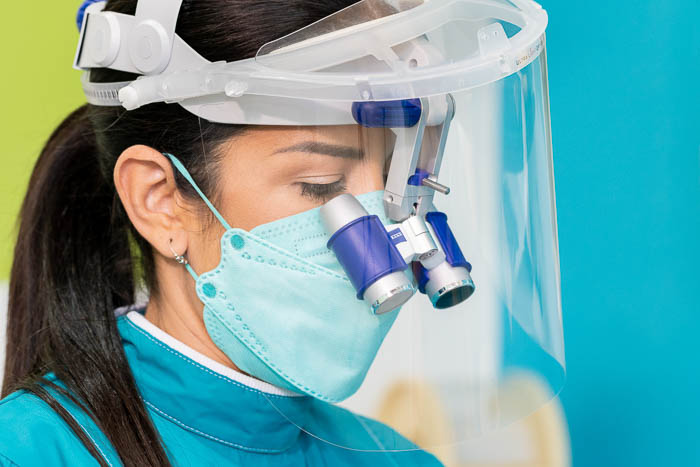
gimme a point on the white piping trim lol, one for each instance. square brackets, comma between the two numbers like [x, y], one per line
[93, 441]
[140, 321]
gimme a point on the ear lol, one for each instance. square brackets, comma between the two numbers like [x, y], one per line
[145, 182]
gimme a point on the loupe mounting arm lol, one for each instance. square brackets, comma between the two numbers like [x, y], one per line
[416, 160]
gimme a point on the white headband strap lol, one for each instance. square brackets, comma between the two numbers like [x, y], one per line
[142, 44]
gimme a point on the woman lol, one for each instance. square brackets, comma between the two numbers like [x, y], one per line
[109, 213]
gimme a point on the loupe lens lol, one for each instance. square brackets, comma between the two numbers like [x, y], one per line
[452, 295]
[389, 293]
[448, 286]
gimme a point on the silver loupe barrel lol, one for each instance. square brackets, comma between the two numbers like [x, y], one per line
[341, 211]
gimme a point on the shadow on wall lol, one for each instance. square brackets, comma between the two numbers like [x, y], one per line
[415, 409]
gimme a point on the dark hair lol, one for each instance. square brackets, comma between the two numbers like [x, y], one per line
[78, 257]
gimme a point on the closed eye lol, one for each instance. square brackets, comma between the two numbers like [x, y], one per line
[324, 191]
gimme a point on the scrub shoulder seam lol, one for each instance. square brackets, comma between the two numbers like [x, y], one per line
[197, 365]
[12, 397]
[208, 436]
[41, 403]
[7, 462]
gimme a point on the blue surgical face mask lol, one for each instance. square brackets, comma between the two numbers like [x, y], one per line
[280, 306]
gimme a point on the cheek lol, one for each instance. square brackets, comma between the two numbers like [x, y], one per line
[256, 208]
[204, 249]
[258, 188]
[250, 205]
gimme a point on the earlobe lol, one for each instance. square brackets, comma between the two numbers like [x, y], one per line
[146, 185]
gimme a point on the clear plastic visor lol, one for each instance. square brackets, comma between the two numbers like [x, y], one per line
[394, 49]
[390, 23]
[443, 376]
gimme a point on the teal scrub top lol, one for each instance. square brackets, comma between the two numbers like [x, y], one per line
[204, 417]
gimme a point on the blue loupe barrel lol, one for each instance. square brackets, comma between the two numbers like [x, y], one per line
[450, 283]
[364, 249]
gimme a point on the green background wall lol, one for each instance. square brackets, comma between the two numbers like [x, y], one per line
[39, 89]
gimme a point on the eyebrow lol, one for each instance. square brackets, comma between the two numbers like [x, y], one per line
[344, 152]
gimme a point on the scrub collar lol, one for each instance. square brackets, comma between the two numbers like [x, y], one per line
[205, 397]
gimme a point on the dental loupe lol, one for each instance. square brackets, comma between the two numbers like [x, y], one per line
[376, 257]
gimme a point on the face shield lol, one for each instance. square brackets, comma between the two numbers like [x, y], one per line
[443, 104]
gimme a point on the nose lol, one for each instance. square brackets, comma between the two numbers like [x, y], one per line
[366, 180]
[369, 174]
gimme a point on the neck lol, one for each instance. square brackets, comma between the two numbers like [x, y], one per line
[177, 311]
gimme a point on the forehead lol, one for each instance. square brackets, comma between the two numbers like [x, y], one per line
[281, 147]
[353, 135]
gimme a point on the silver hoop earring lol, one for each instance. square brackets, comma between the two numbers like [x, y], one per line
[179, 258]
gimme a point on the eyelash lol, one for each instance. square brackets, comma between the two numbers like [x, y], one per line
[321, 192]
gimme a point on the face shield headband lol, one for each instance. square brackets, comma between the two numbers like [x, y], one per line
[374, 50]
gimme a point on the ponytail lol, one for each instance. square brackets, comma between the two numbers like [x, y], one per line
[72, 267]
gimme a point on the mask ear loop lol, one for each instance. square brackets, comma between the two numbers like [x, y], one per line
[183, 171]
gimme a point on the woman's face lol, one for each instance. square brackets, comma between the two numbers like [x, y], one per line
[269, 173]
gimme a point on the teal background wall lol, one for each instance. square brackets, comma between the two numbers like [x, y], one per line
[625, 96]
[624, 84]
